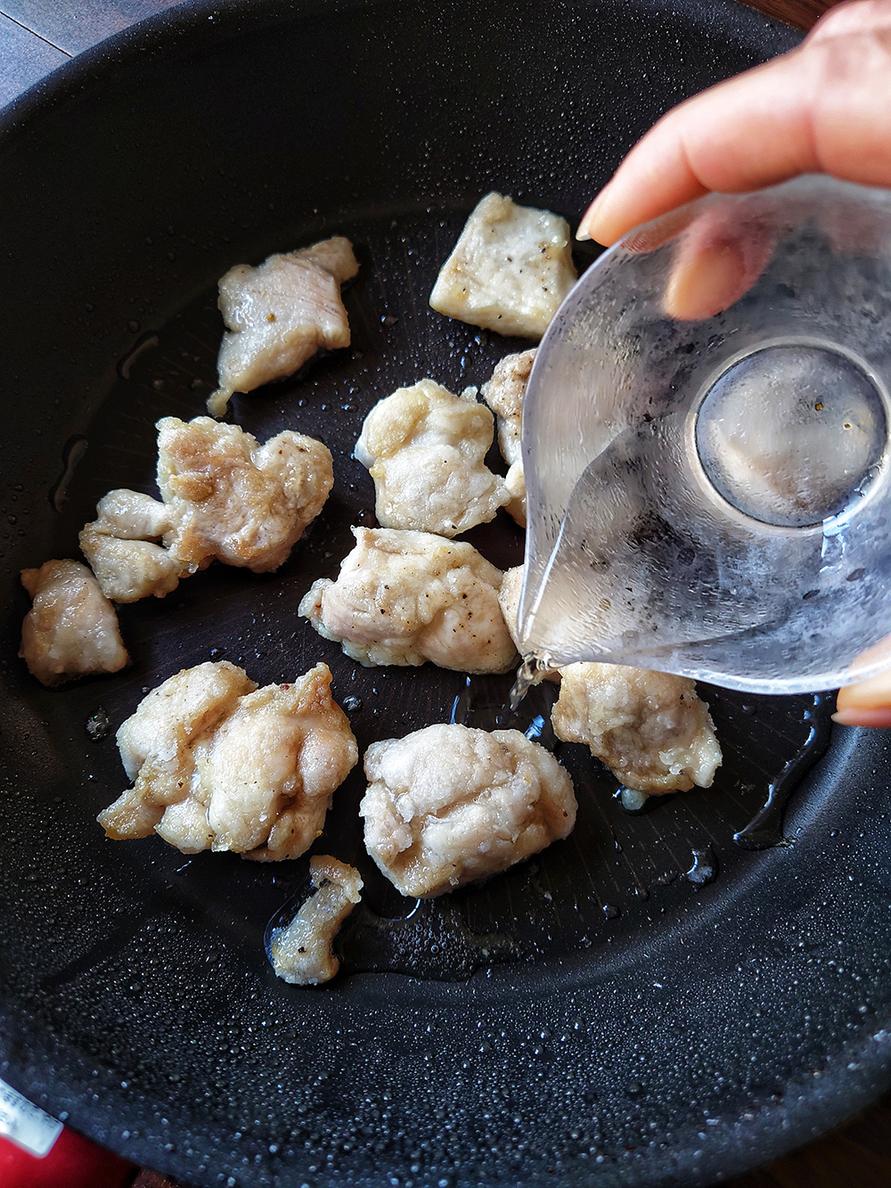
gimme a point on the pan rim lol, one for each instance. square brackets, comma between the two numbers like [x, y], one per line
[152, 35]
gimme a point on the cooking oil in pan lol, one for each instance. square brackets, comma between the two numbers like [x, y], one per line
[480, 704]
[766, 828]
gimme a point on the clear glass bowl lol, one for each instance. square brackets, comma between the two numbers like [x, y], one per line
[705, 440]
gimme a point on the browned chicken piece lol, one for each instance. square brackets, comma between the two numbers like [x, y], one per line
[219, 764]
[279, 314]
[504, 394]
[509, 270]
[71, 629]
[231, 499]
[449, 804]
[409, 597]
[509, 600]
[302, 952]
[124, 549]
[651, 729]
[425, 448]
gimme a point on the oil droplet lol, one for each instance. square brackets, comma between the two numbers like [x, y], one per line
[352, 704]
[631, 800]
[704, 868]
[74, 450]
[146, 343]
[611, 912]
[97, 725]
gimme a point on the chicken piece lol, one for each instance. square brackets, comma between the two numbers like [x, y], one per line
[651, 729]
[425, 448]
[450, 804]
[156, 742]
[232, 499]
[504, 395]
[509, 270]
[409, 597]
[219, 764]
[122, 547]
[509, 601]
[279, 314]
[71, 629]
[269, 773]
[302, 952]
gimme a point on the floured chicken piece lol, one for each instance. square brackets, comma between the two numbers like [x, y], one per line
[509, 271]
[509, 600]
[450, 804]
[123, 549]
[301, 952]
[651, 729]
[425, 448]
[279, 314]
[409, 597]
[71, 629]
[504, 395]
[232, 499]
[219, 764]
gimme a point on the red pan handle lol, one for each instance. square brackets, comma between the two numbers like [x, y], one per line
[36, 1151]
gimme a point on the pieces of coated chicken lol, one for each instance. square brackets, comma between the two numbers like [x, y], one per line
[450, 804]
[409, 597]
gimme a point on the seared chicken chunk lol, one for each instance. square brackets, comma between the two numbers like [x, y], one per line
[509, 271]
[425, 448]
[450, 804]
[232, 499]
[71, 629]
[123, 549]
[302, 952]
[156, 747]
[504, 395]
[408, 597]
[219, 764]
[279, 314]
[509, 600]
[651, 729]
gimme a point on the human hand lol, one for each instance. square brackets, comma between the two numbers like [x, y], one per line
[823, 107]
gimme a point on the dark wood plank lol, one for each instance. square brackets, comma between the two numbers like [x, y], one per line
[24, 58]
[76, 26]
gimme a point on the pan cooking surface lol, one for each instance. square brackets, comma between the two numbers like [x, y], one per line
[645, 1000]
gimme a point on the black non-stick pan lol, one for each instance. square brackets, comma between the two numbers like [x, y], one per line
[650, 1002]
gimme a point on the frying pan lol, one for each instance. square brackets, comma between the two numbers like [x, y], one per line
[649, 1002]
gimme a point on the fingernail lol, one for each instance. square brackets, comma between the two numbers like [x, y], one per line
[704, 283]
[589, 218]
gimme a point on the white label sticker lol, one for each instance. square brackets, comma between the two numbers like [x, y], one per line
[25, 1124]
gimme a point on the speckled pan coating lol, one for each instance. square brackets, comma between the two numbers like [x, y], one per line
[593, 1017]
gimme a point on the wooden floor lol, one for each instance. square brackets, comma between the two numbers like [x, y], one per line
[38, 35]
